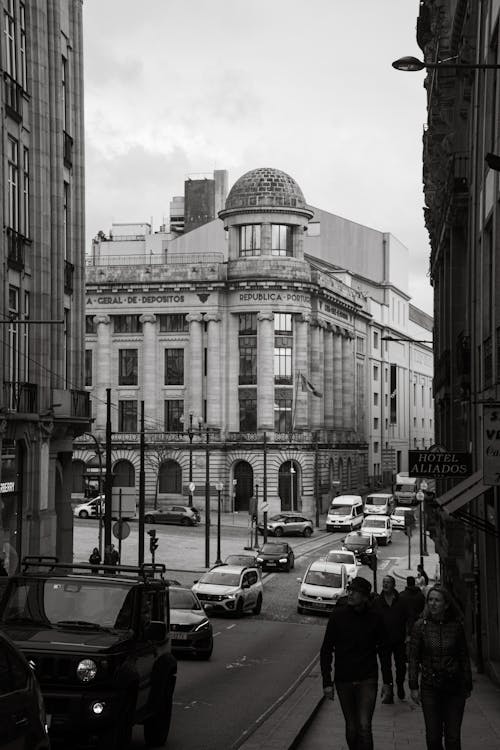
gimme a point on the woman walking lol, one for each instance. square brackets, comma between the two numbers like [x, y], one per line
[438, 651]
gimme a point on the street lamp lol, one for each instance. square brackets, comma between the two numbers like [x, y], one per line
[292, 473]
[190, 433]
[412, 64]
[219, 487]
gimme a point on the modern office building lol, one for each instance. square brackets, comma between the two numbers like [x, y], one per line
[203, 198]
[43, 406]
[257, 343]
[461, 162]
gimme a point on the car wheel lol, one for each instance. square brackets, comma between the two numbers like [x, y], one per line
[293, 563]
[258, 605]
[83, 514]
[156, 727]
[239, 608]
[185, 521]
[148, 519]
[278, 531]
[307, 531]
[120, 734]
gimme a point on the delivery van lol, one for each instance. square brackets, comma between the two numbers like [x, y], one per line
[345, 513]
[406, 489]
[379, 503]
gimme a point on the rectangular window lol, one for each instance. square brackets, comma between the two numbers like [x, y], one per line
[24, 371]
[65, 219]
[88, 366]
[248, 360]
[375, 399]
[247, 324]
[64, 93]
[67, 348]
[22, 46]
[283, 414]
[127, 366]
[250, 240]
[173, 323]
[375, 447]
[126, 324]
[375, 423]
[283, 360]
[248, 413]
[127, 416]
[10, 40]
[423, 396]
[174, 366]
[375, 372]
[13, 334]
[174, 409]
[360, 345]
[283, 323]
[90, 324]
[13, 184]
[281, 239]
[26, 193]
[394, 393]
[375, 339]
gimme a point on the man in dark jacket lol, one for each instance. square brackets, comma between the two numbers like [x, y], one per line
[354, 632]
[393, 614]
[414, 603]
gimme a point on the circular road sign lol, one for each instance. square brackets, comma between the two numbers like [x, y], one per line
[121, 530]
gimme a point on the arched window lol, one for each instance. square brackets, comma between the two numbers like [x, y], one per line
[123, 474]
[78, 476]
[349, 474]
[170, 477]
[288, 485]
[243, 489]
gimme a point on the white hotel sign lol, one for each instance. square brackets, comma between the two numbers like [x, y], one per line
[491, 445]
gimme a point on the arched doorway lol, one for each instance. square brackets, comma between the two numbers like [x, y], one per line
[288, 485]
[340, 472]
[170, 477]
[123, 474]
[243, 491]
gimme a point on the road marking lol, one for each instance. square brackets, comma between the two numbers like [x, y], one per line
[218, 633]
[231, 626]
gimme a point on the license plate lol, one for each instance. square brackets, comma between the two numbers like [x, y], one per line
[270, 564]
[178, 636]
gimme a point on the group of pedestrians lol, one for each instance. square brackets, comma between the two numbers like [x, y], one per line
[111, 557]
[421, 630]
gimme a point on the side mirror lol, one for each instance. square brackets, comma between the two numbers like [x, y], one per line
[156, 631]
[196, 580]
[207, 606]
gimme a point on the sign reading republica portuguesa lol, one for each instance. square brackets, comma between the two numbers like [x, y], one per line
[442, 464]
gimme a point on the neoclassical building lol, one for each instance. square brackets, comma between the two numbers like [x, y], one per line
[262, 362]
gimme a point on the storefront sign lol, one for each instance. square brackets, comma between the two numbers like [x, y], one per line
[446, 464]
[491, 445]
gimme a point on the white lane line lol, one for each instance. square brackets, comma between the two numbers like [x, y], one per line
[230, 626]
[218, 633]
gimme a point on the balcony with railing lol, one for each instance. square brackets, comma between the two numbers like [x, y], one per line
[164, 267]
[13, 97]
[20, 398]
[71, 404]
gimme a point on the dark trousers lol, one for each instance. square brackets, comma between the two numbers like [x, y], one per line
[443, 714]
[357, 701]
[386, 654]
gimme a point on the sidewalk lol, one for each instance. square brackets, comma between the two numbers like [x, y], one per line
[401, 725]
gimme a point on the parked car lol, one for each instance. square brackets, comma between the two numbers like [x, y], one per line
[23, 722]
[276, 556]
[323, 583]
[379, 503]
[182, 514]
[344, 557]
[345, 512]
[398, 518]
[361, 544]
[88, 509]
[380, 527]
[231, 589]
[190, 629]
[288, 523]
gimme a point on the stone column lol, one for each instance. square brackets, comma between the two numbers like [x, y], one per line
[301, 366]
[195, 365]
[102, 369]
[265, 371]
[265, 238]
[149, 369]
[213, 370]
[328, 365]
[337, 382]
[232, 373]
[348, 382]
[316, 375]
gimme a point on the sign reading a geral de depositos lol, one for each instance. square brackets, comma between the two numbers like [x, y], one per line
[491, 445]
[437, 464]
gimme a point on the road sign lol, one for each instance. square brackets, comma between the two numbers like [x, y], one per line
[191, 487]
[264, 507]
[121, 530]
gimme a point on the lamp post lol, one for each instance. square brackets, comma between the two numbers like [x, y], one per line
[410, 64]
[190, 433]
[292, 473]
[218, 486]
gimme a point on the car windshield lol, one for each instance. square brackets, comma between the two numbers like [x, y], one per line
[356, 538]
[183, 599]
[340, 510]
[278, 518]
[276, 548]
[56, 601]
[324, 578]
[239, 560]
[405, 488]
[374, 523]
[340, 557]
[376, 500]
[221, 577]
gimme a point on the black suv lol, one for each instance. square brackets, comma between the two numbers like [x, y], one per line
[99, 645]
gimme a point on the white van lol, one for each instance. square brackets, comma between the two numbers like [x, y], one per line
[380, 527]
[406, 489]
[345, 513]
[380, 503]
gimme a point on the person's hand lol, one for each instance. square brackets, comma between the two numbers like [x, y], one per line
[415, 696]
[328, 692]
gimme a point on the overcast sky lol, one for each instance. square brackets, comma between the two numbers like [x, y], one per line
[180, 88]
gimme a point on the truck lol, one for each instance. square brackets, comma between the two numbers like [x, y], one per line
[406, 488]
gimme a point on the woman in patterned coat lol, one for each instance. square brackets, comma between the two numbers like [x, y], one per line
[438, 653]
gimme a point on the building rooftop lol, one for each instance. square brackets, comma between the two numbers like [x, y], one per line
[265, 186]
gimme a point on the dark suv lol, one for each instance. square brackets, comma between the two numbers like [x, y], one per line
[99, 645]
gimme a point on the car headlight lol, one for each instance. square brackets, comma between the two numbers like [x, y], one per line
[204, 625]
[260, 559]
[230, 596]
[369, 551]
[86, 670]
[283, 560]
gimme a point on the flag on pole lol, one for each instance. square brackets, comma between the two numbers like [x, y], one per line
[308, 386]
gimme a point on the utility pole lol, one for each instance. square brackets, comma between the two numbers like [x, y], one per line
[108, 477]
[207, 502]
[142, 489]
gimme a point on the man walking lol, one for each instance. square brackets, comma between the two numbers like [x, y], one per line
[393, 614]
[354, 632]
[414, 603]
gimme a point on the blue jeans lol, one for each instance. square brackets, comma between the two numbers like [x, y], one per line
[357, 701]
[443, 714]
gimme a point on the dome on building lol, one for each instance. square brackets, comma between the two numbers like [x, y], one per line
[265, 187]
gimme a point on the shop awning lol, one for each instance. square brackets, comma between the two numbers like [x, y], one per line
[462, 493]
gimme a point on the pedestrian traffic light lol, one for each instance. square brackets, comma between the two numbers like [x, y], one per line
[153, 542]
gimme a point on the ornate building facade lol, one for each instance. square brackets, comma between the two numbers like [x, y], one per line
[462, 192]
[42, 402]
[265, 363]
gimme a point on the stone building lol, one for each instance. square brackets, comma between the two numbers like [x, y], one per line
[461, 162]
[42, 402]
[266, 361]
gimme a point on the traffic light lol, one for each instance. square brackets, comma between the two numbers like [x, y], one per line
[153, 542]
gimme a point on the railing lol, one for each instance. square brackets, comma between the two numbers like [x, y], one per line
[68, 150]
[15, 249]
[68, 276]
[194, 259]
[13, 95]
[21, 397]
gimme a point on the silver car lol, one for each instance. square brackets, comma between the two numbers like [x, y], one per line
[288, 524]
